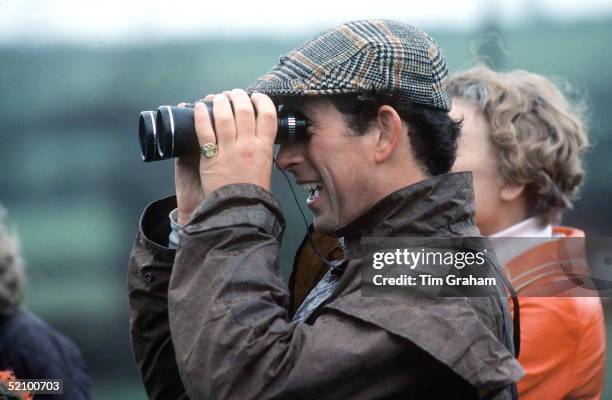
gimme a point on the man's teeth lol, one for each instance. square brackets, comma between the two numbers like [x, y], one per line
[311, 187]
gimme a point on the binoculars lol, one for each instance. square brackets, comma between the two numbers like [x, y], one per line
[170, 132]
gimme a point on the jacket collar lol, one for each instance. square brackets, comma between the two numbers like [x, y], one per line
[439, 206]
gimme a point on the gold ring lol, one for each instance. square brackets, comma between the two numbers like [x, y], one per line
[209, 150]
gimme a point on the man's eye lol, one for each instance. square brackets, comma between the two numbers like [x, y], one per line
[306, 135]
[310, 129]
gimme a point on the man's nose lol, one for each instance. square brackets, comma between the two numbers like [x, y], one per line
[290, 155]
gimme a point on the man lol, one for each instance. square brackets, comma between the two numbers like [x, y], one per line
[524, 144]
[374, 161]
[29, 348]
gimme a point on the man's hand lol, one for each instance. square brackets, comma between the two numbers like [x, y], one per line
[189, 192]
[245, 142]
[245, 148]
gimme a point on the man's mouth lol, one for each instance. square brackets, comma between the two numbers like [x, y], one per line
[313, 189]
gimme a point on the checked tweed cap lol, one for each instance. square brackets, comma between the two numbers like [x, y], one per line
[377, 56]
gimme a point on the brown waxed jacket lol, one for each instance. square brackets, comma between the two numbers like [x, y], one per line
[212, 320]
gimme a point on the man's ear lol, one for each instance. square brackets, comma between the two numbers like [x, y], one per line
[511, 191]
[390, 132]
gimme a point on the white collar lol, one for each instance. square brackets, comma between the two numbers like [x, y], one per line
[519, 238]
[526, 228]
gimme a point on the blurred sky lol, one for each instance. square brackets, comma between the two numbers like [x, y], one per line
[141, 20]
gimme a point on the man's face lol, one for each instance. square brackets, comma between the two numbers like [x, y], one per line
[475, 153]
[332, 163]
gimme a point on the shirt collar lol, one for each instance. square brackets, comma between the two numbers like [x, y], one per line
[526, 228]
[519, 238]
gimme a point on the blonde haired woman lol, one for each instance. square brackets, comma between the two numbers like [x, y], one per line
[524, 143]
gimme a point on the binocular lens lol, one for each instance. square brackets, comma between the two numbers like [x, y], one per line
[170, 131]
[147, 133]
[178, 136]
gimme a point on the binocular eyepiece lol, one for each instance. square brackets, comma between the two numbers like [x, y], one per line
[170, 132]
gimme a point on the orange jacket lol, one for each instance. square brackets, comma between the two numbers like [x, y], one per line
[562, 338]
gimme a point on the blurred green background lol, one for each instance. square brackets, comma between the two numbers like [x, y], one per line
[74, 185]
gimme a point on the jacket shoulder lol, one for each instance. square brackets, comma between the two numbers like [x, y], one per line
[36, 350]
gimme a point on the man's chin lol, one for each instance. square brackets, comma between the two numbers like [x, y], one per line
[321, 226]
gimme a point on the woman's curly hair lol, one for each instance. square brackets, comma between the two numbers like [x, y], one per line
[538, 136]
[12, 269]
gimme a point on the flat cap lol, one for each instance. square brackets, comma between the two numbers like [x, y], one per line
[378, 56]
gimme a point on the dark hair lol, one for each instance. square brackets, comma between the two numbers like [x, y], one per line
[433, 134]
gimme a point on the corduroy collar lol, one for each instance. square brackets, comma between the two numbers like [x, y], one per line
[440, 206]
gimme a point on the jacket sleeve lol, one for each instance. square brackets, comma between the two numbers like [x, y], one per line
[148, 277]
[228, 317]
